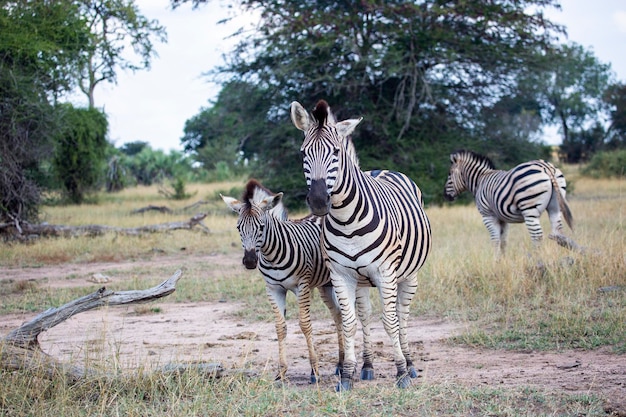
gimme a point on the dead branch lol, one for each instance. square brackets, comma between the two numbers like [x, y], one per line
[20, 349]
[569, 243]
[51, 230]
[161, 209]
[194, 205]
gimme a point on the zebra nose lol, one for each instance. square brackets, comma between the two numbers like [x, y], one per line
[318, 198]
[249, 259]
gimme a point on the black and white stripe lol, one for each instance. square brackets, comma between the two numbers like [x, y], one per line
[519, 195]
[375, 231]
[288, 255]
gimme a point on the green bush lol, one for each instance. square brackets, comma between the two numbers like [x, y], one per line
[606, 165]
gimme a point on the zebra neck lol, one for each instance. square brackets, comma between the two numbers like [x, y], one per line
[473, 178]
[271, 234]
[347, 192]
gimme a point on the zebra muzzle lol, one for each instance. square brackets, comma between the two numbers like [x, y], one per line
[250, 259]
[318, 198]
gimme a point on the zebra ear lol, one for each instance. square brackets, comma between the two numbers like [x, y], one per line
[270, 202]
[346, 127]
[277, 199]
[300, 117]
[234, 204]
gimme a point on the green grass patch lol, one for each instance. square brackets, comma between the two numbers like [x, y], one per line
[191, 393]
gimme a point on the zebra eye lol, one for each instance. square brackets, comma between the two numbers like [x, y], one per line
[336, 151]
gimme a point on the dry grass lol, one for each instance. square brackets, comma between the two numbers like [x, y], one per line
[507, 304]
[115, 210]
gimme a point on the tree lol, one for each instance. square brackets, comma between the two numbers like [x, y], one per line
[40, 47]
[615, 97]
[572, 91]
[225, 132]
[419, 72]
[133, 148]
[114, 26]
[512, 130]
[79, 156]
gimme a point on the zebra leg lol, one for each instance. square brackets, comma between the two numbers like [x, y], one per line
[531, 220]
[345, 293]
[304, 318]
[389, 297]
[327, 295]
[504, 233]
[494, 227]
[277, 299]
[364, 309]
[406, 292]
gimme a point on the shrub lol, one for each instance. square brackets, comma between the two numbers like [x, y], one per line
[607, 164]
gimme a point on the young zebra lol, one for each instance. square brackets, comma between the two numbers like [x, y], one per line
[288, 255]
[375, 231]
[515, 196]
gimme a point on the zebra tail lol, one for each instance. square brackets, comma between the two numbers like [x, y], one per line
[567, 213]
[563, 205]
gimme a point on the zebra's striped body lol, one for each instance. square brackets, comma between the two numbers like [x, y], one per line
[375, 231]
[519, 195]
[289, 257]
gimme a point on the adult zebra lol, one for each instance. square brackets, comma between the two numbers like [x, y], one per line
[375, 231]
[503, 197]
[289, 257]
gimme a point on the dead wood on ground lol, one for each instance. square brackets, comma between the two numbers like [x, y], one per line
[20, 349]
[28, 231]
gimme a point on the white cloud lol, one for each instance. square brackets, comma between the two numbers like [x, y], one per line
[619, 18]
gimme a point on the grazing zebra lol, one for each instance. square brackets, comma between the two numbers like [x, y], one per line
[515, 196]
[289, 257]
[375, 231]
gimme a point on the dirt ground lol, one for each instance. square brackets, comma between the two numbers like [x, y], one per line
[212, 333]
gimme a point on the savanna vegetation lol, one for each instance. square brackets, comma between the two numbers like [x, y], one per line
[577, 302]
[428, 76]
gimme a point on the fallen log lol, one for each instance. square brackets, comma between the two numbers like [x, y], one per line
[20, 349]
[160, 209]
[569, 243]
[28, 230]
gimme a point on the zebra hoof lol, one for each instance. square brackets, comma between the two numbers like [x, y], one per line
[412, 372]
[344, 385]
[339, 370]
[367, 374]
[403, 381]
[314, 378]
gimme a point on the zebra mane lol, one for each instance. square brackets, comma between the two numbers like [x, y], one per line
[322, 114]
[255, 192]
[473, 156]
[351, 151]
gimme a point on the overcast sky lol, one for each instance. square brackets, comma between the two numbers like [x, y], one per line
[153, 105]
